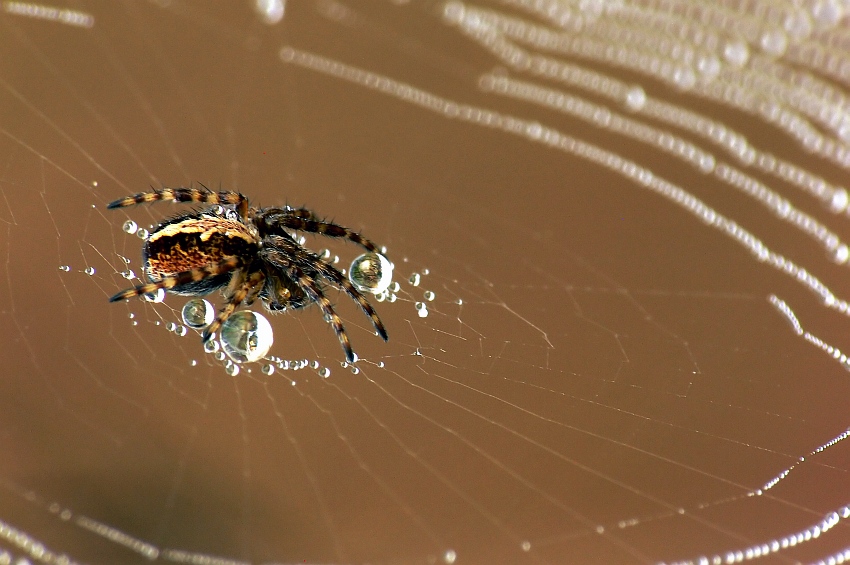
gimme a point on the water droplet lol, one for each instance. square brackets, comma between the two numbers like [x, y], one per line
[371, 272]
[220, 356]
[268, 369]
[415, 279]
[420, 305]
[774, 42]
[156, 296]
[130, 226]
[450, 556]
[314, 365]
[827, 13]
[89, 270]
[231, 368]
[841, 254]
[736, 53]
[708, 67]
[526, 546]
[392, 298]
[355, 370]
[142, 233]
[171, 326]
[193, 363]
[423, 313]
[635, 98]
[839, 201]
[380, 364]
[211, 346]
[394, 287]
[426, 271]
[198, 313]
[459, 301]
[180, 330]
[128, 274]
[65, 268]
[270, 11]
[326, 254]
[324, 372]
[429, 296]
[246, 336]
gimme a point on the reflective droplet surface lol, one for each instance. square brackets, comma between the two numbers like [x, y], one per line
[89, 270]
[371, 272]
[246, 336]
[130, 226]
[198, 313]
[157, 296]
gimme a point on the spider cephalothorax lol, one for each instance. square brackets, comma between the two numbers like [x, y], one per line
[245, 251]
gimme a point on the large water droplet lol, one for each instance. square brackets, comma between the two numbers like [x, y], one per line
[371, 272]
[198, 313]
[246, 336]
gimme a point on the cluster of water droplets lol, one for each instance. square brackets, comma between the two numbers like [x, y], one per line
[247, 336]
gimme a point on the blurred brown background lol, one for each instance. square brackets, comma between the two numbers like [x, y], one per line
[600, 377]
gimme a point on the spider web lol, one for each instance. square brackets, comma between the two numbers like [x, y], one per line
[621, 283]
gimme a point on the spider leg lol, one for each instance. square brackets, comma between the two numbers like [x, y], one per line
[185, 194]
[310, 287]
[332, 274]
[246, 286]
[301, 219]
[211, 270]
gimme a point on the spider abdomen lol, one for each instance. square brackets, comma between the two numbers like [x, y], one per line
[195, 241]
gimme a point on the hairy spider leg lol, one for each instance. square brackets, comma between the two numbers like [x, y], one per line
[185, 194]
[301, 219]
[310, 287]
[169, 282]
[245, 286]
[332, 274]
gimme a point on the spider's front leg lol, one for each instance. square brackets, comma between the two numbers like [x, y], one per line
[271, 222]
[185, 194]
[309, 286]
[169, 282]
[332, 274]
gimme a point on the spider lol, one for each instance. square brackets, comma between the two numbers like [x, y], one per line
[246, 252]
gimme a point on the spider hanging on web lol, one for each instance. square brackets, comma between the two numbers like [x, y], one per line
[246, 252]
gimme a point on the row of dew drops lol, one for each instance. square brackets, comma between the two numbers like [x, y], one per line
[247, 336]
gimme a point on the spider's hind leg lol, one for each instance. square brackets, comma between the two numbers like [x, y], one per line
[169, 282]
